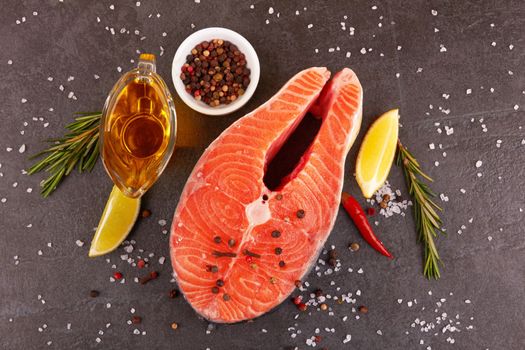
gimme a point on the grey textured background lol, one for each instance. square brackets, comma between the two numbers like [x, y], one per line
[484, 264]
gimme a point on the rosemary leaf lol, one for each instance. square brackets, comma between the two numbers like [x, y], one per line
[77, 148]
[428, 222]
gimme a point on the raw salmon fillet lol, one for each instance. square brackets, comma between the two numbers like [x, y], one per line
[237, 247]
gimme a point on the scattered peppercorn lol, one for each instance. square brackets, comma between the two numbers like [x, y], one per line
[265, 197]
[323, 306]
[317, 338]
[302, 307]
[215, 290]
[217, 239]
[371, 211]
[318, 293]
[231, 242]
[276, 234]
[282, 263]
[332, 253]
[173, 293]
[297, 300]
[300, 213]
[174, 326]
[332, 262]
[219, 283]
[153, 274]
[94, 293]
[215, 72]
[278, 251]
[354, 247]
[383, 204]
[117, 275]
[212, 268]
[386, 197]
[146, 213]
[141, 263]
[298, 283]
[226, 297]
[363, 309]
[136, 319]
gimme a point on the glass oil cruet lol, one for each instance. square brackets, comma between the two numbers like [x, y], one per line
[138, 128]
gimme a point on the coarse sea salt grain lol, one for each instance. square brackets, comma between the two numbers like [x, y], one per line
[394, 206]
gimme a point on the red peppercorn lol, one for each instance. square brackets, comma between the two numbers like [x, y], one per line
[141, 263]
[249, 259]
[370, 211]
[197, 93]
[297, 300]
[153, 274]
[117, 275]
[189, 69]
[302, 306]
[317, 339]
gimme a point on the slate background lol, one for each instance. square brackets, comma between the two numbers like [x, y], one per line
[64, 40]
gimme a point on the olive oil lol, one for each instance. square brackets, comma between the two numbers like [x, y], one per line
[138, 129]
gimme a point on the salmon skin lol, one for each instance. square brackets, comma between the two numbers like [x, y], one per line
[238, 248]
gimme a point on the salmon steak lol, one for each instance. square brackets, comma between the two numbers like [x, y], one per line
[239, 245]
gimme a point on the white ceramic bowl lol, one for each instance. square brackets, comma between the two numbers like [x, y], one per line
[207, 34]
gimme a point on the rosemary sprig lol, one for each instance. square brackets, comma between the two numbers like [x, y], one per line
[78, 146]
[428, 222]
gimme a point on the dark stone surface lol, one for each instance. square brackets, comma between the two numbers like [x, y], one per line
[484, 264]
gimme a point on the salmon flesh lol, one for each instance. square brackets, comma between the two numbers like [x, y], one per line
[237, 246]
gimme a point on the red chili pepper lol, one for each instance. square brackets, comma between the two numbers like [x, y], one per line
[359, 218]
[117, 275]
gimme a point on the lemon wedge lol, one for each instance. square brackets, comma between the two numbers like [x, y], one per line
[116, 222]
[377, 152]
